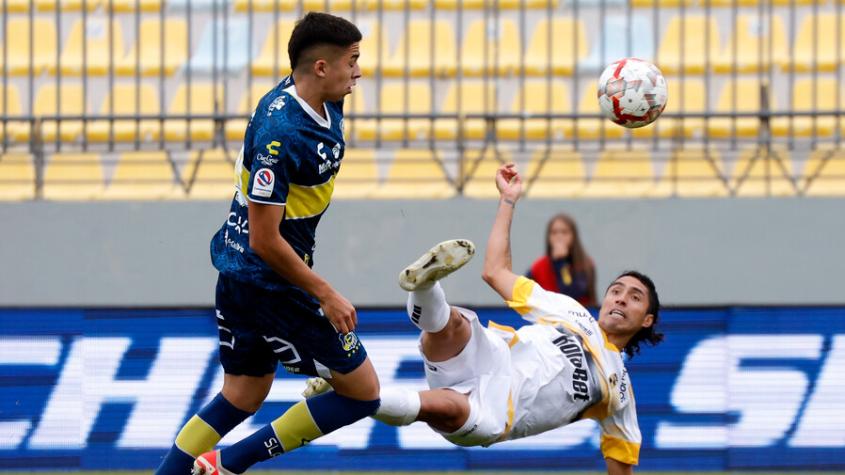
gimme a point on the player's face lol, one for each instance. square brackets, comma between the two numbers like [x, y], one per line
[344, 73]
[624, 310]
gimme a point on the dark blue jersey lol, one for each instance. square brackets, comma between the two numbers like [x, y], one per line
[290, 157]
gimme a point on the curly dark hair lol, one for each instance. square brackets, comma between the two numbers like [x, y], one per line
[316, 29]
[650, 334]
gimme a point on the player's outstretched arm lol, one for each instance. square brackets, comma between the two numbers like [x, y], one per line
[615, 467]
[265, 240]
[498, 271]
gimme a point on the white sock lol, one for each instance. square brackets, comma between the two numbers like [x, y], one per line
[428, 309]
[399, 407]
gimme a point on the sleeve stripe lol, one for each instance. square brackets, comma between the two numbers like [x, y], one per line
[620, 450]
[521, 292]
[250, 198]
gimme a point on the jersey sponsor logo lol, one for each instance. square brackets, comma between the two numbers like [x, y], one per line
[336, 151]
[271, 147]
[570, 348]
[266, 159]
[263, 183]
[321, 152]
[276, 105]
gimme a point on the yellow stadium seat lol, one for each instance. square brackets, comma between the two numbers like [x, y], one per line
[395, 100]
[211, 174]
[695, 55]
[693, 173]
[568, 46]
[818, 51]
[358, 175]
[306, 5]
[128, 6]
[274, 53]
[414, 174]
[471, 94]
[67, 5]
[128, 100]
[43, 49]
[555, 173]
[69, 97]
[376, 5]
[235, 128]
[143, 176]
[827, 92]
[149, 41]
[659, 3]
[199, 99]
[375, 47]
[17, 177]
[752, 3]
[490, 48]
[740, 96]
[622, 174]
[498, 4]
[592, 128]
[761, 173]
[479, 171]
[824, 173]
[355, 127]
[540, 97]
[685, 96]
[74, 176]
[10, 106]
[747, 49]
[98, 57]
[430, 51]
[15, 6]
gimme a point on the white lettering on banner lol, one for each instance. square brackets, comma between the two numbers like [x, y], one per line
[41, 351]
[823, 422]
[712, 381]
[160, 400]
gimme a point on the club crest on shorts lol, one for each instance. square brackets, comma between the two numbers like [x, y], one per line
[348, 341]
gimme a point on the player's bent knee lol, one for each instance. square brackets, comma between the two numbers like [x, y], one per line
[247, 393]
[444, 409]
[361, 383]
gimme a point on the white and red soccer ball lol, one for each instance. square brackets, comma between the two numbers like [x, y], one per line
[632, 92]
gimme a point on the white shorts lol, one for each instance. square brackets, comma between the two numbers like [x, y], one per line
[482, 370]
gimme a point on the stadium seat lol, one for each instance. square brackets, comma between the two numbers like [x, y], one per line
[274, 54]
[817, 52]
[685, 96]
[740, 96]
[373, 55]
[17, 177]
[753, 3]
[376, 5]
[149, 42]
[592, 128]
[143, 176]
[494, 4]
[355, 127]
[15, 6]
[430, 50]
[10, 106]
[199, 100]
[555, 173]
[210, 174]
[693, 173]
[128, 100]
[617, 41]
[223, 48]
[747, 50]
[129, 6]
[540, 97]
[63, 101]
[67, 5]
[490, 48]
[414, 174]
[568, 46]
[695, 55]
[471, 95]
[395, 100]
[761, 173]
[74, 176]
[479, 169]
[196, 5]
[305, 5]
[827, 92]
[235, 128]
[659, 3]
[358, 175]
[43, 49]
[824, 173]
[99, 56]
[622, 174]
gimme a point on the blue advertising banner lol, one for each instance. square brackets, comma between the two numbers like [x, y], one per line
[729, 389]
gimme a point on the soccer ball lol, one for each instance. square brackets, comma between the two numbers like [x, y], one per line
[632, 92]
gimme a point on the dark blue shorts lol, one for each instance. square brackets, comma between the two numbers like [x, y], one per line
[259, 328]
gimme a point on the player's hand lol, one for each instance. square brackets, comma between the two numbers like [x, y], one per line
[340, 312]
[509, 182]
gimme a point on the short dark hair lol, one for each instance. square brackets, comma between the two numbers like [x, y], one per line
[650, 334]
[317, 29]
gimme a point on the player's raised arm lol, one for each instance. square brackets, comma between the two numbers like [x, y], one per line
[615, 467]
[498, 271]
[265, 240]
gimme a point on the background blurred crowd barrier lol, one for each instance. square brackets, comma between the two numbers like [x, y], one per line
[148, 99]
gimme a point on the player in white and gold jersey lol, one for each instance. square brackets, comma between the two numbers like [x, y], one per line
[494, 384]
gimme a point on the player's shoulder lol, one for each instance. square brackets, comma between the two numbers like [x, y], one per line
[274, 108]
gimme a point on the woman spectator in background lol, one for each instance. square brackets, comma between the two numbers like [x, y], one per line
[566, 268]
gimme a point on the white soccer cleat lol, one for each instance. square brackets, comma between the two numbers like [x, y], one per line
[315, 387]
[209, 464]
[437, 263]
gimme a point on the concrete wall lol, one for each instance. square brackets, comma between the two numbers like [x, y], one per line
[709, 252]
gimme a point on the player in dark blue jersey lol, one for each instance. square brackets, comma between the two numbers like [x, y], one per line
[271, 307]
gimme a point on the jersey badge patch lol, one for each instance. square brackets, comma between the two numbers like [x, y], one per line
[263, 183]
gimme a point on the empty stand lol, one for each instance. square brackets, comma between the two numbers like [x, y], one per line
[815, 44]
[539, 97]
[743, 95]
[424, 49]
[274, 54]
[567, 47]
[224, 47]
[691, 44]
[660, 3]
[211, 174]
[193, 99]
[236, 128]
[400, 98]
[128, 6]
[143, 176]
[126, 99]
[748, 49]
[466, 97]
[375, 47]
[491, 47]
[65, 100]
[494, 4]
[358, 176]
[10, 106]
[822, 95]
[42, 48]
[74, 176]
[621, 37]
[414, 174]
[622, 174]
[555, 173]
[67, 5]
[93, 46]
[156, 49]
[694, 173]
[824, 173]
[479, 169]
[17, 177]
[761, 172]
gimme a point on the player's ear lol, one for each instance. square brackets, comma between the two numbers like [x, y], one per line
[320, 68]
[648, 321]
